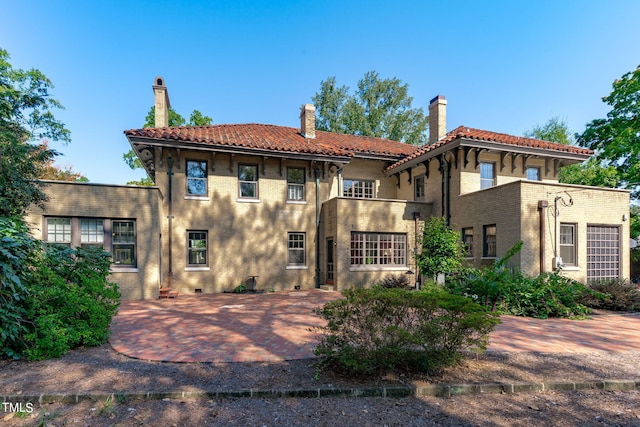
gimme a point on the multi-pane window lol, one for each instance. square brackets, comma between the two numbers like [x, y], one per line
[533, 174]
[568, 244]
[378, 249]
[124, 243]
[197, 248]
[358, 188]
[419, 187]
[91, 233]
[296, 249]
[467, 239]
[59, 231]
[489, 241]
[248, 181]
[295, 184]
[487, 175]
[196, 178]
[603, 252]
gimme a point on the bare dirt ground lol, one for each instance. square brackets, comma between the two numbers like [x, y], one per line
[101, 370]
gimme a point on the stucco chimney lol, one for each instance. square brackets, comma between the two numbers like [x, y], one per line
[437, 118]
[308, 121]
[162, 104]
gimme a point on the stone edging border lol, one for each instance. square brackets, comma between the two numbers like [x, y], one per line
[443, 390]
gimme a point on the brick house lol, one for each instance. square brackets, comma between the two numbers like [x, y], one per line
[284, 207]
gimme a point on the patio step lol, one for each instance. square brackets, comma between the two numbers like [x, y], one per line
[328, 287]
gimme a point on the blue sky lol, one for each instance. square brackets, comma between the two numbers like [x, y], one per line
[503, 66]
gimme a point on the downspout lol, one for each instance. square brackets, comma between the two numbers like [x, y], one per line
[170, 218]
[446, 204]
[542, 205]
[317, 275]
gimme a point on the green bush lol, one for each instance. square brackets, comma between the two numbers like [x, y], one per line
[378, 330]
[618, 295]
[391, 281]
[442, 248]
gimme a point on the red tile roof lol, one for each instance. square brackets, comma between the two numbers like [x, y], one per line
[276, 138]
[463, 132]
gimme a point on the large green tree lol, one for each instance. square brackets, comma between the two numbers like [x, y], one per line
[26, 123]
[175, 119]
[616, 138]
[378, 107]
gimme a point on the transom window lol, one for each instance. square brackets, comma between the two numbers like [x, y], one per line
[296, 249]
[533, 174]
[487, 175]
[248, 181]
[295, 184]
[124, 243]
[603, 252]
[378, 249]
[467, 239]
[197, 248]
[489, 241]
[568, 244]
[358, 188]
[59, 231]
[91, 233]
[196, 177]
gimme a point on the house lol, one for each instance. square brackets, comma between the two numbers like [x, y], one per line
[278, 207]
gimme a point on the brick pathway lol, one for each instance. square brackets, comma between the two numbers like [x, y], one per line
[279, 326]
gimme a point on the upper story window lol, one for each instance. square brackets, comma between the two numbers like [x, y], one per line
[358, 188]
[124, 243]
[248, 181]
[418, 183]
[59, 231]
[295, 184]
[197, 248]
[91, 233]
[533, 174]
[489, 245]
[196, 177]
[487, 175]
[467, 238]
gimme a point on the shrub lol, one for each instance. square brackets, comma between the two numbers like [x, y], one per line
[618, 295]
[442, 248]
[378, 330]
[400, 281]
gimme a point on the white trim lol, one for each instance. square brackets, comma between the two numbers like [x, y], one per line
[197, 268]
[378, 267]
[296, 202]
[192, 197]
[297, 267]
[124, 270]
[243, 200]
[570, 268]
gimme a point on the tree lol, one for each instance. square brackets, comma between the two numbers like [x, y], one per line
[175, 119]
[616, 139]
[442, 248]
[25, 116]
[379, 108]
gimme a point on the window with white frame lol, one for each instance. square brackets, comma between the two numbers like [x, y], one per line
[358, 188]
[533, 174]
[568, 244]
[603, 252]
[418, 183]
[124, 243]
[248, 181]
[296, 249]
[196, 178]
[59, 231]
[381, 249]
[489, 241]
[295, 184]
[487, 175]
[196, 248]
[467, 239]
[91, 233]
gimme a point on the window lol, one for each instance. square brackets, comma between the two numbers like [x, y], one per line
[296, 249]
[419, 187]
[487, 175]
[196, 178]
[467, 239]
[358, 188]
[197, 248]
[603, 252]
[124, 243]
[295, 184]
[378, 249]
[533, 174]
[568, 244]
[489, 241]
[91, 233]
[59, 231]
[248, 180]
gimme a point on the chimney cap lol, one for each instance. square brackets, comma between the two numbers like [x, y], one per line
[438, 98]
[158, 81]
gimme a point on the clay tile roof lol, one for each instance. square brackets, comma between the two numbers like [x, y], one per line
[276, 138]
[463, 132]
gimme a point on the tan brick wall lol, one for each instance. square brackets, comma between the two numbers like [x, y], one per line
[84, 200]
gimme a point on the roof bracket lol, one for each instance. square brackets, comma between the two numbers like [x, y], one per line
[213, 161]
[231, 157]
[547, 167]
[159, 156]
[467, 150]
[409, 172]
[426, 167]
[281, 164]
[514, 157]
[502, 156]
[178, 162]
[264, 165]
[397, 175]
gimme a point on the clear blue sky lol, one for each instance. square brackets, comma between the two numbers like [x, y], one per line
[503, 66]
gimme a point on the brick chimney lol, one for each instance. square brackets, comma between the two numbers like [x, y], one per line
[308, 121]
[437, 118]
[162, 104]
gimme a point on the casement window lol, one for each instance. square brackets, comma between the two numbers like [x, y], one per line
[568, 244]
[380, 249]
[467, 239]
[296, 249]
[59, 231]
[358, 188]
[489, 241]
[295, 184]
[418, 183]
[487, 175]
[91, 233]
[196, 248]
[124, 243]
[533, 174]
[248, 181]
[196, 178]
[603, 252]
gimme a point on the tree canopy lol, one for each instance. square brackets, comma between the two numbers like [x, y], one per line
[616, 138]
[378, 107]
